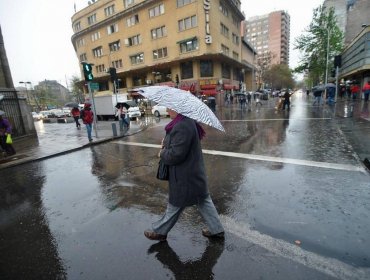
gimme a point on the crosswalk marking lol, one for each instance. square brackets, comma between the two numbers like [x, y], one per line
[327, 265]
[328, 165]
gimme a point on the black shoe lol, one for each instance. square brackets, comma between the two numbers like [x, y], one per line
[155, 236]
[208, 234]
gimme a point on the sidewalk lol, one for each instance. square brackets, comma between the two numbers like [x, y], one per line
[60, 138]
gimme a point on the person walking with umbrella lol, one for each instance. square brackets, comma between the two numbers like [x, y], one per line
[5, 130]
[182, 152]
[88, 117]
[366, 90]
[75, 112]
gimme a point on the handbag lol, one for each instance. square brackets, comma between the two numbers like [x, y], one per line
[9, 139]
[162, 172]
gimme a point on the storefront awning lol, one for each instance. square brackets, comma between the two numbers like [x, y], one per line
[186, 40]
[228, 86]
[208, 86]
[209, 92]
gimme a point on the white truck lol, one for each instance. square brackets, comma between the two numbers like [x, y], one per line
[105, 106]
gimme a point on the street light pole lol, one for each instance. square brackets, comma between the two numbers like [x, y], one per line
[327, 58]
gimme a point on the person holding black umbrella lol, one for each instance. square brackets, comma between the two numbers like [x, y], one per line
[75, 112]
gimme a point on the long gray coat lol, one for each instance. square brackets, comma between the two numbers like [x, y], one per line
[183, 153]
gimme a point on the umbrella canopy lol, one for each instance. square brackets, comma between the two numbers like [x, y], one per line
[240, 93]
[127, 104]
[2, 113]
[183, 103]
[328, 85]
[71, 104]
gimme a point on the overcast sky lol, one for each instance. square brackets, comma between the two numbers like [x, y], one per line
[37, 34]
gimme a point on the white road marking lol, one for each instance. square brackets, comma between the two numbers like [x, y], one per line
[327, 265]
[328, 165]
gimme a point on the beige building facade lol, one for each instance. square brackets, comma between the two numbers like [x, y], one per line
[186, 43]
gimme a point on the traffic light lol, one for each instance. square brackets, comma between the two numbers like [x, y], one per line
[87, 67]
[113, 74]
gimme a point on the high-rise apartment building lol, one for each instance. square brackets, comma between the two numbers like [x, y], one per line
[187, 43]
[270, 33]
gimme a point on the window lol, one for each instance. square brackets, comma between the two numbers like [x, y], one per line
[186, 70]
[224, 30]
[224, 10]
[224, 49]
[80, 42]
[115, 46]
[77, 26]
[181, 3]
[158, 32]
[95, 36]
[109, 11]
[235, 39]
[132, 20]
[187, 23]
[189, 45]
[236, 22]
[128, 3]
[137, 58]
[135, 40]
[83, 57]
[100, 68]
[235, 55]
[117, 63]
[160, 53]
[206, 68]
[237, 74]
[112, 28]
[156, 11]
[226, 72]
[98, 52]
[91, 19]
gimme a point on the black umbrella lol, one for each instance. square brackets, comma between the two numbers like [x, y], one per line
[127, 104]
[71, 104]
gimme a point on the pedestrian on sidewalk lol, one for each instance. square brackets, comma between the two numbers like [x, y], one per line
[87, 117]
[317, 93]
[5, 130]
[122, 114]
[75, 112]
[182, 152]
[366, 90]
[355, 89]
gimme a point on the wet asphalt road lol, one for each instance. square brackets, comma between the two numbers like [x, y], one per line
[275, 178]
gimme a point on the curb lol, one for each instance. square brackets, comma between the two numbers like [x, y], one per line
[30, 160]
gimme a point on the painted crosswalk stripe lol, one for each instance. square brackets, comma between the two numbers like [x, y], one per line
[328, 165]
[329, 266]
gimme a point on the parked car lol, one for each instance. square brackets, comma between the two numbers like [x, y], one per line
[134, 110]
[37, 116]
[57, 113]
[46, 114]
[159, 111]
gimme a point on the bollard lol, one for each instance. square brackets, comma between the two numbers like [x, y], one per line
[114, 129]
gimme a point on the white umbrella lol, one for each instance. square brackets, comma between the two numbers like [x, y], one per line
[183, 102]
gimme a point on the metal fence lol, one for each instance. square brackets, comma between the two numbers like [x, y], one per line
[10, 105]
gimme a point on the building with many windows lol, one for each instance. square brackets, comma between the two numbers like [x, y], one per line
[184, 43]
[270, 33]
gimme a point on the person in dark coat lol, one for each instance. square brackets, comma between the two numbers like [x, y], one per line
[182, 152]
[5, 129]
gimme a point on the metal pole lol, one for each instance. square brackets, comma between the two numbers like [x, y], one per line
[327, 58]
[336, 83]
[91, 94]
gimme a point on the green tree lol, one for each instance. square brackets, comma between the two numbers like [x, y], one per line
[263, 64]
[77, 91]
[279, 76]
[319, 44]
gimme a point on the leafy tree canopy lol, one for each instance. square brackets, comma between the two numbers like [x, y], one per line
[319, 44]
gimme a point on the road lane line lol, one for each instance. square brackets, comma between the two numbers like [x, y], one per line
[336, 166]
[326, 265]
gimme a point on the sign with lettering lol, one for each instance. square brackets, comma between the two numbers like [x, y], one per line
[207, 8]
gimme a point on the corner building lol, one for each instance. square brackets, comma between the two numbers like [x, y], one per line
[191, 44]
